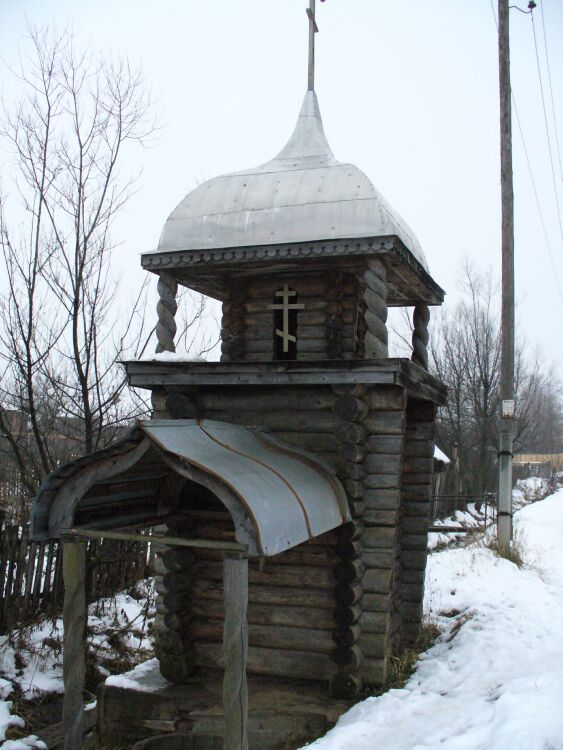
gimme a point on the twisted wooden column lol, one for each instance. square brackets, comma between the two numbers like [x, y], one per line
[235, 646]
[74, 621]
[375, 298]
[421, 318]
[166, 310]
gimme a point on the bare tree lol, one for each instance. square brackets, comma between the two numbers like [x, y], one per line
[63, 323]
[465, 355]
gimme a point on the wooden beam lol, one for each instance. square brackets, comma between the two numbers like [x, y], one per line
[171, 541]
[235, 647]
[74, 621]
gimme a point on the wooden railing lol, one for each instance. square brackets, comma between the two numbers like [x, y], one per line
[31, 573]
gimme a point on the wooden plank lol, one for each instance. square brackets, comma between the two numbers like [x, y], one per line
[261, 614]
[275, 575]
[74, 621]
[271, 595]
[268, 636]
[235, 652]
[266, 661]
[155, 538]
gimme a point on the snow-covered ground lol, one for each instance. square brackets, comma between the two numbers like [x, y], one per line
[31, 659]
[494, 679]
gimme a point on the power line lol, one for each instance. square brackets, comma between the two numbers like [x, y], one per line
[556, 192]
[551, 91]
[528, 162]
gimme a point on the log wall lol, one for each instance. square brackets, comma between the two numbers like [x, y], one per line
[414, 519]
[332, 609]
[327, 326]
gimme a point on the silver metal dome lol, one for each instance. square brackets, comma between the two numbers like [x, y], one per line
[302, 195]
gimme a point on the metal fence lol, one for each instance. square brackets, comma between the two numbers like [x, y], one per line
[445, 506]
[31, 573]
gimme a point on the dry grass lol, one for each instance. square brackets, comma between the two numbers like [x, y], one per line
[514, 553]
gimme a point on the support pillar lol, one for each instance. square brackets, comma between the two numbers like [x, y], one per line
[375, 298]
[166, 310]
[74, 658]
[235, 646]
[420, 337]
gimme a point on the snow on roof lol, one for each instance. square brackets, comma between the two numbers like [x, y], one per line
[440, 455]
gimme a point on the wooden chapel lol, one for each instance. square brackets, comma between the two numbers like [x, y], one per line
[293, 477]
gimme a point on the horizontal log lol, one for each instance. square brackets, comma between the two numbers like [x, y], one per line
[350, 409]
[347, 615]
[374, 645]
[266, 661]
[382, 481]
[272, 595]
[352, 452]
[415, 492]
[347, 686]
[178, 559]
[325, 442]
[177, 582]
[346, 636]
[348, 594]
[275, 575]
[271, 615]
[349, 657]
[421, 411]
[357, 508]
[280, 398]
[386, 397]
[354, 488]
[304, 285]
[313, 421]
[349, 547]
[306, 317]
[380, 558]
[349, 571]
[374, 622]
[349, 389]
[419, 449]
[379, 537]
[418, 479]
[414, 524]
[380, 517]
[419, 466]
[420, 431]
[374, 671]
[376, 602]
[352, 432]
[353, 471]
[176, 602]
[382, 498]
[414, 541]
[410, 611]
[417, 509]
[377, 581]
[352, 530]
[415, 559]
[385, 444]
[409, 575]
[383, 463]
[268, 636]
[385, 422]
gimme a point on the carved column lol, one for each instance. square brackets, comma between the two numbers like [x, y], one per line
[375, 298]
[166, 310]
[421, 318]
[235, 646]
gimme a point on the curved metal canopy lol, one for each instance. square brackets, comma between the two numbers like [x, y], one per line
[278, 496]
[302, 195]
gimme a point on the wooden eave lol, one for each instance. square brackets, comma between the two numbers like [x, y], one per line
[208, 271]
[178, 375]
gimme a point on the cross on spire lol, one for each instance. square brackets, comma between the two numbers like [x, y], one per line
[313, 28]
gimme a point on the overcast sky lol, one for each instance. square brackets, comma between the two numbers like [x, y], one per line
[408, 91]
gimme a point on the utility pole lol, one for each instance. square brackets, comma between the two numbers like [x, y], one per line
[507, 316]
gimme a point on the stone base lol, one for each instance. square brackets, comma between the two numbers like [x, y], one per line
[283, 714]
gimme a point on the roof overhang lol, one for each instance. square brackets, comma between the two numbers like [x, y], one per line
[278, 496]
[208, 270]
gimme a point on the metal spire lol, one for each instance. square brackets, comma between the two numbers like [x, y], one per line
[313, 28]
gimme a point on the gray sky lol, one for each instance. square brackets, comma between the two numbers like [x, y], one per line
[408, 91]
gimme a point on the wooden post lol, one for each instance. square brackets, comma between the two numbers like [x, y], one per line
[235, 646]
[74, 620]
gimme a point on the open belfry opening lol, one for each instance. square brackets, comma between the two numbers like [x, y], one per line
[304, 457]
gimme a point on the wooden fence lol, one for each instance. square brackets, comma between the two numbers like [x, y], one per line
[31, 573]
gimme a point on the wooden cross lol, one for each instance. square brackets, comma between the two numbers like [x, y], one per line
[286, 306]
[313, 28]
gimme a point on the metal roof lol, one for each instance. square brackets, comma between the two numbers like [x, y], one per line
[302, 195]
[278, 496]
